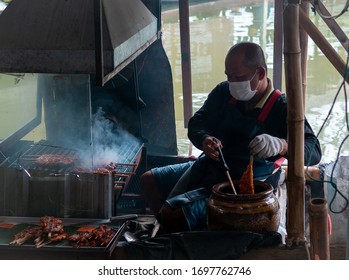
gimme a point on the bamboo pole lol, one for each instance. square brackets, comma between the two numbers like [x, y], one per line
[320, 40]
[295, 115]
[318, 223]
[304, 52]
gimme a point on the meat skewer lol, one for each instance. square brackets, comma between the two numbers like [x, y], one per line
[26, 234]
[100, 236]
[51, 230]
[246, 181]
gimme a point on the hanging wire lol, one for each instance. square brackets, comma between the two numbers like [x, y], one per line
[336, 191]
[316, 3]
[333, 184]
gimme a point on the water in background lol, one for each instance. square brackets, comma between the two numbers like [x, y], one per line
[216, 26]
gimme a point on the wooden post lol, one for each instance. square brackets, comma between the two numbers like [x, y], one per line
[295, 113]
[186, 62]
[98, 19]
[277, 69]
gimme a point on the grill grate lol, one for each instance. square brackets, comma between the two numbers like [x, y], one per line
[126, 164]
[28, 158]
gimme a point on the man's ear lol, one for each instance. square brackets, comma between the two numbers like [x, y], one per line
[262, 72]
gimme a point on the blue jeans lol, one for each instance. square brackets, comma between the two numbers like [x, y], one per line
[169, 178]
[193, 204]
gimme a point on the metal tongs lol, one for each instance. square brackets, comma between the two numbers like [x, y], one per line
[221, 158]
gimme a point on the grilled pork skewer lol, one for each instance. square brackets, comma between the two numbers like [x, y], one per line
[246, 181]
[26, 234]
[50, 230]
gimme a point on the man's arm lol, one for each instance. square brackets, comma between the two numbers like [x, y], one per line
[203, 123]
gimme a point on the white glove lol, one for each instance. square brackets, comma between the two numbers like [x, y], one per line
[265, 146]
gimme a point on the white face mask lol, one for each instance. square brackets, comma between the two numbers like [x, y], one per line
[242, 90]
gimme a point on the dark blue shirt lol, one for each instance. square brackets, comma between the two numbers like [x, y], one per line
[236, 127]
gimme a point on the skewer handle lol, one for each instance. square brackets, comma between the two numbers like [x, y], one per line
[230, 181]
[251, 160]
[221, 157]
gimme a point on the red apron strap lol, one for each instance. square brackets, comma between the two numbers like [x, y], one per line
[278, 162]
[232, 101]
[263, 115]
[267, 107]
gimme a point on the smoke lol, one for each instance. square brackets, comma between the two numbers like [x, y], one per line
[110, 142]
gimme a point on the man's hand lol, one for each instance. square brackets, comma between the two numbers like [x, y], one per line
[265, 146]
[210, 147]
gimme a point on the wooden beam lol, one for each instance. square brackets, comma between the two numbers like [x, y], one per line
[332, 24]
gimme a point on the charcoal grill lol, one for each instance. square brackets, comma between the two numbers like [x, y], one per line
[68, 191]
[55, 75]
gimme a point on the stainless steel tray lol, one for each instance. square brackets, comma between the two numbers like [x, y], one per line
[58, 250]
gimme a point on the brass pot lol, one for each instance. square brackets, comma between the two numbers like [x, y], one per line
[256, 212]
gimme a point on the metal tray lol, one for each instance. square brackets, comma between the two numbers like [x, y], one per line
[57, 250]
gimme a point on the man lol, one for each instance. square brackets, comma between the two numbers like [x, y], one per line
[243, 116]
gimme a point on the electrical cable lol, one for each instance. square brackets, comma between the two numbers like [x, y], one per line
[333, 184]
[316, 3]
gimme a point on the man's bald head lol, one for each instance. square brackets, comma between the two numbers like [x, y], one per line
[252, 54]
